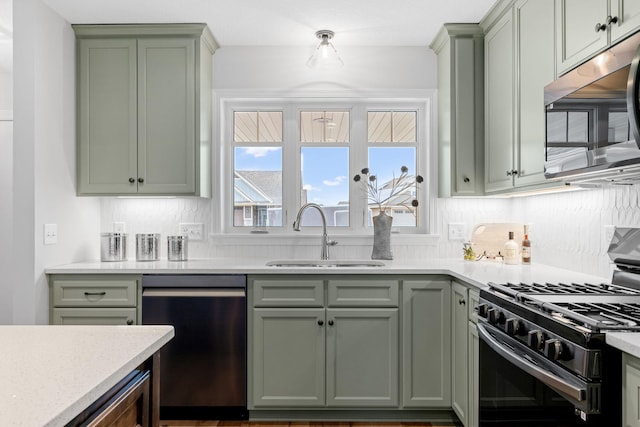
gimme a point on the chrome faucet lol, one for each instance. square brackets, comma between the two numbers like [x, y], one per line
[325, 238]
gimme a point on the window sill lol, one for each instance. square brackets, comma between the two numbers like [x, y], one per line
[312, 239]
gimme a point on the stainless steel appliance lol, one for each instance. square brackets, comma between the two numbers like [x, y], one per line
[593, 118]
[203, 369]
[543, 356]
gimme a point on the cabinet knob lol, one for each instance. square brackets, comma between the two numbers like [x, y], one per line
[461, 301]
[132, 180]
[466, 179]
[140, 180]
[330, 322]
[320, 322]
[512, 172]
[601, 27]
[612, 20]
[129, 322]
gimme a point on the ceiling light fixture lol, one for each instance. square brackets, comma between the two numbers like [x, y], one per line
[325, 55]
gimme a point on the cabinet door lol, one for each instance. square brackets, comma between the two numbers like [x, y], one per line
[107, 121]
[426, 343]
[630, 391]
[576, 34]
[93, 316]
[499, 73]
[362, 357]
[535, 64]
[166, 114]
[628, 14]
[288, 357]
[473, 413]
[460, 337]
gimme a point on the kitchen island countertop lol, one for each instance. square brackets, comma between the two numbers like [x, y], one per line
[50, 374]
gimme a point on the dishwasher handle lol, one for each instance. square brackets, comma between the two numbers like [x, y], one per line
[193, 292]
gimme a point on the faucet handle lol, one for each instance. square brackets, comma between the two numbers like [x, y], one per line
[332, 242]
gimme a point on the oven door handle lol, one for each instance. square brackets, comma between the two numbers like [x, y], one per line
[570, 390]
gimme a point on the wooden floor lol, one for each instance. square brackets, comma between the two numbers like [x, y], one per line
[292, 424]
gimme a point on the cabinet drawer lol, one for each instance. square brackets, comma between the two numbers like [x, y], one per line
[107, 292]
[363, 293]
[474, 297]
[288, 292]
[94, 316]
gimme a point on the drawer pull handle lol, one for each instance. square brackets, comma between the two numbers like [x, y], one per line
[95, 294]
[330, 322]
[129, 322]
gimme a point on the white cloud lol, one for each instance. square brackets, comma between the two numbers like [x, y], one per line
[259, 151]
[310, 187]
[338, 180]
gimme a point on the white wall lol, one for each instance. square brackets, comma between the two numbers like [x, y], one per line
[44, 159]
[402, 70]
[6, 156]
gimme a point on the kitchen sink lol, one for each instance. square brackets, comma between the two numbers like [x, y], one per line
[325, 263]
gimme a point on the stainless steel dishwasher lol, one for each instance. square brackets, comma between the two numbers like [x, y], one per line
[203, 371]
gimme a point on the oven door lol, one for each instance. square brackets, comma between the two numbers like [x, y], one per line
[520, 387]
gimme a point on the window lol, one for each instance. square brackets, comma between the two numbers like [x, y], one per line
[284, 154]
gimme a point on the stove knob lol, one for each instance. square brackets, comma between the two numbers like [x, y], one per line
[535, 339]
[495, 316]
[514, 327]
[483, 310]
[553, 349]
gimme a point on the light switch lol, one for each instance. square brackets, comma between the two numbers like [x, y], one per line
[50, 234]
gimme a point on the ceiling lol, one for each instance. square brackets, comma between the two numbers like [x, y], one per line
[288, 22]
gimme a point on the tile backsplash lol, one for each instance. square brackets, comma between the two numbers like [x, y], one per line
[566, 229]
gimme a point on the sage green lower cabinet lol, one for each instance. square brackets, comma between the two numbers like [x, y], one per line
[465, 380]
[459, 348]
[630, 391]
[323, 342]
[473, 411]
[94, 316]
[288, 357]
[362, 357]
[426, 343]
[95, 299]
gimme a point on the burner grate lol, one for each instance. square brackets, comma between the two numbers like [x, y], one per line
[569, 288]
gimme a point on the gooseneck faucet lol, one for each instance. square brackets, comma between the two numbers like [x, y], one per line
[325, 238]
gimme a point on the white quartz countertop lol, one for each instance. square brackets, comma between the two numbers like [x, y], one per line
[49, 374]
[629, 342]
[476, 273]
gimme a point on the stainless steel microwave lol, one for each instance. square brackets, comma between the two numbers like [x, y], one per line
[593, 118]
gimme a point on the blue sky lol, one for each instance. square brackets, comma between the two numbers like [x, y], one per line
[326, 172]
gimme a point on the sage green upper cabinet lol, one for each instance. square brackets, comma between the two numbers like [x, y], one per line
[519, 62]
[535, 68]
[627, 14]
[460, 109]
[585, 27]
[144, 109]
[499, 105]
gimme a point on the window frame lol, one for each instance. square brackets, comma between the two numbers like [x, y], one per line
[358, 151]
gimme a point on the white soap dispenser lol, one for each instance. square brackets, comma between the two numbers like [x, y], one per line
[511, 250]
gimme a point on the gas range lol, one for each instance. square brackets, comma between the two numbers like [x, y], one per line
[565, 323]
[555, 333]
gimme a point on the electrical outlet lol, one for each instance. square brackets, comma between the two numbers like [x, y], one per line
[456, 231]
[50, 234]
[119, 227]
[193, 231]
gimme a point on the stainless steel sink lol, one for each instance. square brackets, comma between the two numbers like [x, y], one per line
[324, 263]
